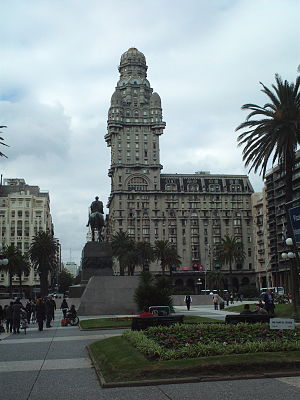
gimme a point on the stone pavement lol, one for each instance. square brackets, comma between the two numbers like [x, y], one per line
[54, 364]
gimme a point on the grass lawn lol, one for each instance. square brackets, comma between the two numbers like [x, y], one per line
[281, 310]
[119, 361]
[125, 322]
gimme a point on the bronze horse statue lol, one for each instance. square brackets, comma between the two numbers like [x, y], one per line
[96, 222]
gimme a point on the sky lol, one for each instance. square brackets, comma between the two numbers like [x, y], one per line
[58, 70]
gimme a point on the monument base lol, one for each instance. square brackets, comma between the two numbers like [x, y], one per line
[109, 295]
[96, 260]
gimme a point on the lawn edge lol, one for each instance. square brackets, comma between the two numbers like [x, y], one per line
[193, 379]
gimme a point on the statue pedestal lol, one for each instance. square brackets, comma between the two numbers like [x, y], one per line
[96, 260]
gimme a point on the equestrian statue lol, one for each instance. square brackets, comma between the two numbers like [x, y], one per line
[96, 219]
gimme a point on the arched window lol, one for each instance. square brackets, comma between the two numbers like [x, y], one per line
[137, 184]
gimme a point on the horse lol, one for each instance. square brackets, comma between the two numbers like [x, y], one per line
[96, 222]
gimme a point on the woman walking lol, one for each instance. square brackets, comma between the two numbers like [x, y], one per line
[40, 312]
[64, 307]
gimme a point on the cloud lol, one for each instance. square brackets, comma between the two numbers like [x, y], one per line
[59, 68]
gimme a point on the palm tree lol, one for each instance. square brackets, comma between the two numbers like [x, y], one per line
[230, 251]
[121, 244]
[23, 267]
[43, 255]
[276, 134]
[166, 254]
[14, 258]
[3, 144]
[145, 254]
[216, 279]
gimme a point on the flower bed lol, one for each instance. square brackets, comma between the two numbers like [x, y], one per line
[180, 341]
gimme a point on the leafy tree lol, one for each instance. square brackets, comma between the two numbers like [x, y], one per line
[145, 254]
[230, 251]
[3, 144]
[153, 291]
[77, 279]
[166, 254]
[276, 132]
[216, 280]
[65, 279]
[43, 255]
[121, 244]
[17, 264]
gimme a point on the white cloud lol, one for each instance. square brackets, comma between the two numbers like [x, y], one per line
[59, 69]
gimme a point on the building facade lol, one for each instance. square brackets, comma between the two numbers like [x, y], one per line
[262, 263]
[24, 210]
[71, 267]
[277, 221]
[192, 211]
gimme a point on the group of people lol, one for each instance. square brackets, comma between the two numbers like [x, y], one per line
[41, 310]
[265, 306]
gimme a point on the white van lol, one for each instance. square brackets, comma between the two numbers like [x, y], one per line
[275, 289]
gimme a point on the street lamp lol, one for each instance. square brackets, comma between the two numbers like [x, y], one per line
[290, 255]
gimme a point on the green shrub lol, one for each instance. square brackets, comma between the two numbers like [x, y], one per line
[153, 291]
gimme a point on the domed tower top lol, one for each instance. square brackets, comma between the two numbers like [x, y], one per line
[133, 63]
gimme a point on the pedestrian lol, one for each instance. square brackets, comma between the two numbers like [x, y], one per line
[226, 297]
[8, 312]
[64, 307]
[188, 300]
[231, 298]
[28, 309]
[33, 311]
[1, 314]
[215, 300]
[53, 306]
[268, 299]
[49, 311]
[221, 303]
[16, 315]
[40, 311]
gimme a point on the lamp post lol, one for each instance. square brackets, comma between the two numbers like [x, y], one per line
[291, 255]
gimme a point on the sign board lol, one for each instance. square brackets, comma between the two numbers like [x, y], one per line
[282, 323]
[294, 214]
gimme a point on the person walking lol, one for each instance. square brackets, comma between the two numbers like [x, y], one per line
[40, 312]
[28, 309]
[64, 307]
[216, 299]
[16, 315]
[188, 300]
[49, 311]
[8, 312]
[53, 307]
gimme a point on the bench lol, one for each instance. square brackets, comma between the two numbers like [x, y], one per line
[249, 318]
[142, 323]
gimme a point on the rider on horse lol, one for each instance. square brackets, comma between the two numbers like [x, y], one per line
[94, 221]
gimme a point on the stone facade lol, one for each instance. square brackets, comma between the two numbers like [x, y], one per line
[192, 211]
[24, 210]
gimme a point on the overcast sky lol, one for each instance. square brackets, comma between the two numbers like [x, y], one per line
[58, 70]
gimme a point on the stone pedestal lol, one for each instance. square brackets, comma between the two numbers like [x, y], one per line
[96, 260]
[109, 295]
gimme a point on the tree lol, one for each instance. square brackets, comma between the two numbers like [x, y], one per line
[43, 255]
[153, 291]
[216, 280]
[276, 134]
[166, 254]
[3, 144]
[121, 244]
[230, 251]
[65, 279]
[22, 267]
[17, 264]
[145, 254]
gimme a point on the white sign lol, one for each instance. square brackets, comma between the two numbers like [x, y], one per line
[282, 323]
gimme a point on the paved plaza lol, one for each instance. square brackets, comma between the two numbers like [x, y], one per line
[54, 364]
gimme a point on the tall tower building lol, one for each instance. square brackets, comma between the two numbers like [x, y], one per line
[134, 126]
[192, 211]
